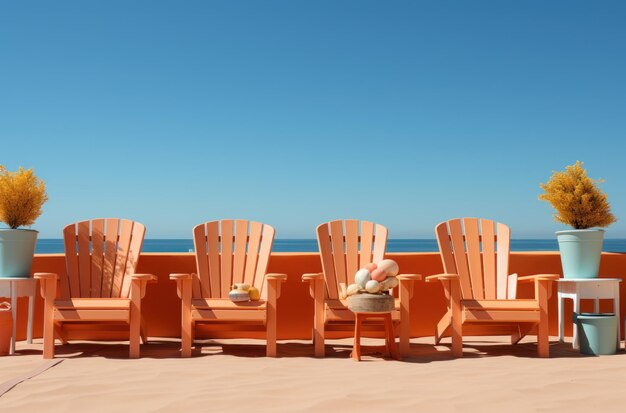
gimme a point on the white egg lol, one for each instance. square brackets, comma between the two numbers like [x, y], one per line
[361, 277]
[389, 283]
[372, 286]
[353, 289]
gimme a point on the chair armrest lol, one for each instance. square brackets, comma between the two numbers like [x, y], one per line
[143, 277]
[312, 276]
[538, 277]
[276, 277]
[409, 277]
[46, 276]
[406, 287]
[442, 277]
[180, 276]
[48, 285]
[274, 281]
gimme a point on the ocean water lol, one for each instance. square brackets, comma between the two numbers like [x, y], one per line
[50, 246]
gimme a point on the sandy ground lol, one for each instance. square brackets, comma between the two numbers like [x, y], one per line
[234, 375]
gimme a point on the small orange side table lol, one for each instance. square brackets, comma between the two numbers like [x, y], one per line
[390, 342]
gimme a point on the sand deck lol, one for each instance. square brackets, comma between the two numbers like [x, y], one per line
[234, 375]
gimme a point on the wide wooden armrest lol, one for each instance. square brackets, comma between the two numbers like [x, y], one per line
[538, 277]
[409, 277]
[276, 276]
[143, 277]
[442, 277]
[46, 276]
[312, 276]
[180, 276]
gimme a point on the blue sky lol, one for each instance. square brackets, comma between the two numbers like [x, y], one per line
[293, 113]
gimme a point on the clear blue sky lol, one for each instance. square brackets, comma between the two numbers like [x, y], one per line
[290, 112]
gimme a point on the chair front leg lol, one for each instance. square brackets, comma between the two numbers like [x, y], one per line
[186, 333]
[49, 290]
[273, 293]
[457, 320]
[406, 291]
[318, 319]
[542, 290]
[135, 318]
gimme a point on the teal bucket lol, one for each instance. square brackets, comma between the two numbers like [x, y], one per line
[17, 247]
[597, 333]
[580, 250]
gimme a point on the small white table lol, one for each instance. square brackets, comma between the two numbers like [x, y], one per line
[14, 287]
[595, 289]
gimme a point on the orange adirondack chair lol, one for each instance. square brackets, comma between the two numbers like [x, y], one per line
[343, 251]
[100, 285]
[229, 252]
[479, 289]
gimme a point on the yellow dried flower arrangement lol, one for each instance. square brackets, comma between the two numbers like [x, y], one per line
[577, 199]
[21, 197]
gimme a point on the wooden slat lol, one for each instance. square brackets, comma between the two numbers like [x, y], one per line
[65, 286]
[228, 315]
[239, 259]
[225, 330]
[472, 243]
[71, 260]
[225, 304]
[352, 249]
[527, 304]
[123, 249]
[323, 242]
[84, 259]
[213, 248]
[443, 240]
[367, 241]
[110, 256]
[196, 289]
[97, 257]
[202, 261]
[489, 257]
[91, 315]
[226, 260]
[254, 242]
[380, 243]
[500, 316]
[267, 239]
[338, 314]
[336, 304]
[456, 232]
[136, 241]
[339, 254]
[511, 291]
[504, 237]
[480, 237]
[93, 303]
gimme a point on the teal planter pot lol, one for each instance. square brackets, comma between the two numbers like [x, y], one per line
[17, 247]
[597, 333]
[581, 250]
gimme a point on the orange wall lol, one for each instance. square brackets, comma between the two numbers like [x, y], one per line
[161, 306]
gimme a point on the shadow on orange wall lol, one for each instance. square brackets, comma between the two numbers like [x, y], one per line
[161, 305]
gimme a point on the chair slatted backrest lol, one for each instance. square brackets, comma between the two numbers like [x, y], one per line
[228, 252]
[478, 251]
[100, 256]
[345, 247]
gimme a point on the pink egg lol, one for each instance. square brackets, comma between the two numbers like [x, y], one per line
[379, 274]
[370, 267]
[390, 267]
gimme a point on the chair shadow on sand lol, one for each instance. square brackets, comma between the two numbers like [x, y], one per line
[422, 350]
